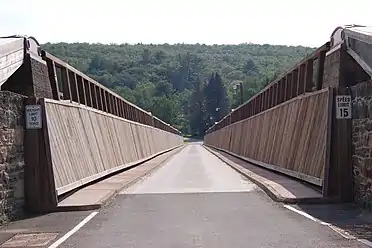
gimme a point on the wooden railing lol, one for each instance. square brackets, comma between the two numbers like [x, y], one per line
[292, 138]
[86, 144]
[70, 84]
[77, 145]
[305, 76]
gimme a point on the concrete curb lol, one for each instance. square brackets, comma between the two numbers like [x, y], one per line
[268, 189]
[111, 196]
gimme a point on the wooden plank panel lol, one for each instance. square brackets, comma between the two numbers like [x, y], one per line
[126, 142]
[285, 137]
[136, 142]
[307, 120]
[142, 141]
[265, 127]
[313, 137]
[77, 145]
[282, 121]
[305, 133]
[255, 135]
[58, 132]
[118, 134]
[296, 134]
[87, 144]
[150, 140]
[56, 141]
[245, 136]
[113, 142]
[109, 156]
[291, 132]
[240, 140]
[94, 145]
[317, 143]
[133, 149]
[273, 139]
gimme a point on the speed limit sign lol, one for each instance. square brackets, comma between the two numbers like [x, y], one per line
[343, 107]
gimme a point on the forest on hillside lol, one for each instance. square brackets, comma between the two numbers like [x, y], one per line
[189, 86]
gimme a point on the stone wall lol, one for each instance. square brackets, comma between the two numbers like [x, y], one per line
[362, 142]
[332, 70]
[341, 70]
[11, 156]
[40, 78]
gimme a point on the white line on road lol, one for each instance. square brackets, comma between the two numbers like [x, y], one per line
[341, 232]
[366, 242]
[306, 215]
[73, 230]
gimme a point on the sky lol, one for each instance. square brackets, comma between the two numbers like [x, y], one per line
[284, 22]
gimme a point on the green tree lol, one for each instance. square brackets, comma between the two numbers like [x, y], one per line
[165, 109]
[250, 68]
[164, 78]
[216, 99]
[197, 114]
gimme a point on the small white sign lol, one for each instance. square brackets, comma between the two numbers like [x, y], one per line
[33, 117]
[343, 107]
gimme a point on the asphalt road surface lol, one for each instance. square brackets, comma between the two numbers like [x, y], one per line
[195, 200]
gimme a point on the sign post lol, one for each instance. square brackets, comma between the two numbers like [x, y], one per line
[33, 117]
[343, 107]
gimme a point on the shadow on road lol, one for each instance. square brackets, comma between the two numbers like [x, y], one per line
[349, 217]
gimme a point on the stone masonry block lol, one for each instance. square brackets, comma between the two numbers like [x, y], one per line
[364, 152]
[356, 124]
[331, 70]
[4, 179]
[362, 90]
[3, 154]
[40, 79]
[7, 137]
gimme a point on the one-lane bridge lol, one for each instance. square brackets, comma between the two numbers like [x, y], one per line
[68, 143]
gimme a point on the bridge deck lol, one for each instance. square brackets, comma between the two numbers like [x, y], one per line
[195, 200]
[192, 200]
[279, 187]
